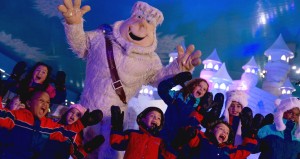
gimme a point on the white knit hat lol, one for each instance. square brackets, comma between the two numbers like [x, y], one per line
[150, 13]
[79, 107]
[242, 98]
[283, 105]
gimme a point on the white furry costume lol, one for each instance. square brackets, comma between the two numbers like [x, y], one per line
[283, 106]
[136, 66]
[242, 98]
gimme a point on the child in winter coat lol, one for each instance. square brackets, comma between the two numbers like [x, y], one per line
[235, 102]
[27, 131]
[215, 143]
[281, 140]
[180, 103]
[142, 143]
[78, 150]
[38, 78]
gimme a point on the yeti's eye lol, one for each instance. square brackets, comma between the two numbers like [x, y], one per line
[139, 16]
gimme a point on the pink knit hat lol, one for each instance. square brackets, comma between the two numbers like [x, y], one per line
[79, 107]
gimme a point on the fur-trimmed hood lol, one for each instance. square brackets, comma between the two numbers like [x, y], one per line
[283, 105]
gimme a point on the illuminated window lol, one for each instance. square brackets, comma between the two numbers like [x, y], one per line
[216, 67]
[289, 92]
[247, 70]
[283, 58]
[269, 58]
[205, 66]
[151, 92]
[216, 86]
[283, 91]
[223, 86]
[253, 71]
[209, 65]
[146, 90]
[171, 59]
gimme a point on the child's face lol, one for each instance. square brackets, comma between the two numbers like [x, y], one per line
[16, 104]
[152, 119]
[292, 114]
[235, 108]
[200, 89]
[39, 104]
[40, 74]
[221, 132]
[72, 116]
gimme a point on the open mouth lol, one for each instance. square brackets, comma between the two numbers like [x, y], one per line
[153, 125]
[43, 110]
[134, 37]
[222, 137]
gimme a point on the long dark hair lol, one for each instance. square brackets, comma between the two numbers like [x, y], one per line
[187, 90]
[25, 83]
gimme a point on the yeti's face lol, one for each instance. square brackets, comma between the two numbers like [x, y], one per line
[138, 30]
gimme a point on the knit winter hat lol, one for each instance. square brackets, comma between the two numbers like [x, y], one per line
[79, 107]
[283, 106]
[148, 12]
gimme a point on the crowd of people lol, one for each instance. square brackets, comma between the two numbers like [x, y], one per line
[193, 125]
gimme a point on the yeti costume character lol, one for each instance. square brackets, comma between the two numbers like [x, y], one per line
[134, 42]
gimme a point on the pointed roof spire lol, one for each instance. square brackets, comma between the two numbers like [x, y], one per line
[279, 48]
[222, 75]
[212, 57]
[288, 84]
[251, 64]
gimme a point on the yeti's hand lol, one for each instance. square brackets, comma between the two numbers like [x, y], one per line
[189, 59]
[72, 12]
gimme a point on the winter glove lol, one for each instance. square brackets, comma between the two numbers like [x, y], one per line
[91, 118]
[183, 137]
[182, 77]
[269, 119]
[250, 125]
[216, 108]
[256, 125]
[94, 143]
[117, 118]
[246, 117]
[206, 102]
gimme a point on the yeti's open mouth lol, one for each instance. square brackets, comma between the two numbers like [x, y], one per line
[134, 37]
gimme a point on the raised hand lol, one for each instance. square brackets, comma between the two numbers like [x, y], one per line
[117, 117]
[182, 77]
[72, 11]
[91, 118]
[189, 59]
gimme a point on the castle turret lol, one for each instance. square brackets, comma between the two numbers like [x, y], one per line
[287, 89]
[221, 80]
[277, 67]
[250, 76]
[211, 66]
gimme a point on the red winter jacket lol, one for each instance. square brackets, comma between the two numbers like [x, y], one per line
[139, 144]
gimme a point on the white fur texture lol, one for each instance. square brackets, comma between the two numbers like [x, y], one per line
[136, 66]
[242, 98]
[281, 107]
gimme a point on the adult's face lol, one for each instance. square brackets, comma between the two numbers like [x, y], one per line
[138, 30]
